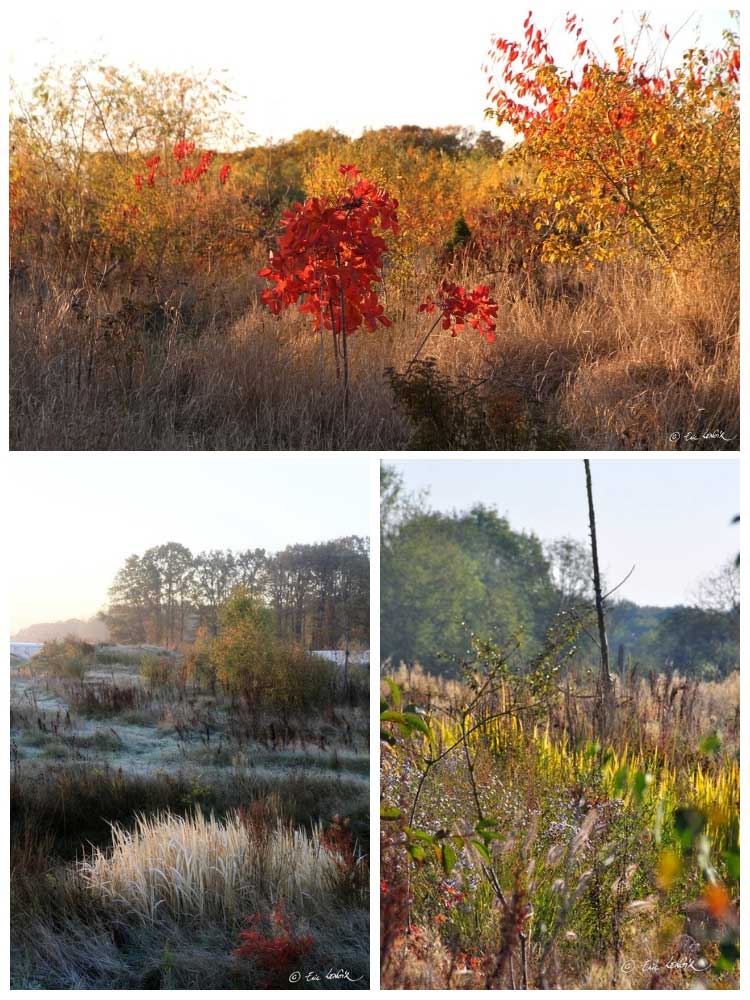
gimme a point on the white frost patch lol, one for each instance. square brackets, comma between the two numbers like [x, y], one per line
[338, 656]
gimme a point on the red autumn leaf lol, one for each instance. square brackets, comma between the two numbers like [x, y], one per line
[459, 308]
[329, 257]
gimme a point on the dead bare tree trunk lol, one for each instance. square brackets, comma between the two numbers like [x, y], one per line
[605, 683]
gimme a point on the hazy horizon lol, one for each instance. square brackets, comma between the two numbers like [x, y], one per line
[647, 511]
[320, 66]
[77, 517]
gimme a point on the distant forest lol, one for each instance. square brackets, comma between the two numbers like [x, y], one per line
[446, 575]
[319, 594]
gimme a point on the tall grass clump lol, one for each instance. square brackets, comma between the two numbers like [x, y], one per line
[195, 868]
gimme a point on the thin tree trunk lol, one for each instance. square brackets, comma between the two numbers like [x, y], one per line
[344, 352]
[605, 684]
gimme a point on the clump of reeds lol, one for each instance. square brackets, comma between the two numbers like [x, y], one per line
[196, 868]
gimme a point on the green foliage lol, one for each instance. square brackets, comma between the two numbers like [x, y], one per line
[497, 831]
[460, 236]
[267, 672]
[319, 594]
[443, 575]
[241, 653]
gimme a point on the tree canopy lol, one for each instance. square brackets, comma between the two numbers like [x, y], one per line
[445, 576]
[315, 595]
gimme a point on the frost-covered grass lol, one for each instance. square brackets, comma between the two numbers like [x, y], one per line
[146, 829]
[198, 869]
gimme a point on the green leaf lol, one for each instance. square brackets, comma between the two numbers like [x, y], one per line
[449, 858]
[641, 781]
[395, 692]
[407, 720]
[710, 744]
[732, 860]
[422, 835]
[414, 722]
[729, 955]
[689, 824]
[591, 751]
[416, 851]
[621, 780]
[390, 716]
[489, 835]
[482, 851]
[487, 824]
[390, 812]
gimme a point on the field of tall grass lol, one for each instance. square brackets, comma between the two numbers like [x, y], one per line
[622, 357]
[174, 288]
[167, 841]
[524, 845]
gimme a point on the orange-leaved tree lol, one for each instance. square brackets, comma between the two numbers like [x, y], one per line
[631, 154]
[329, 258]
[176, 210]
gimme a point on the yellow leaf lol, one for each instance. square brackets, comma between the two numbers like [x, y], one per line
[670, 866]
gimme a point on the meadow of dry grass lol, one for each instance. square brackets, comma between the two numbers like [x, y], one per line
[620, 357]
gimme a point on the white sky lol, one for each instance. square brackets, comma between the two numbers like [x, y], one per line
[301, 65]
[669, 517]
[75, 518]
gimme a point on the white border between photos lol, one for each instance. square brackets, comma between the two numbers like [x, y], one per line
[9, 467]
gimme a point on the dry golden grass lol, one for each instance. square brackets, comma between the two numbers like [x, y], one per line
[617, 358]
[668, 713]
[197, 869]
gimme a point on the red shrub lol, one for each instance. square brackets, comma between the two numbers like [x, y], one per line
[459, 308]
[268, 941]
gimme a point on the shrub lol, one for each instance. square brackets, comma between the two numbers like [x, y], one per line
[454, 413]
[107, 700]
[68, 658]
[271, 945]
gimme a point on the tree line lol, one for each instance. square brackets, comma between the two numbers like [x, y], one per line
[317, 595]
[445, 576]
